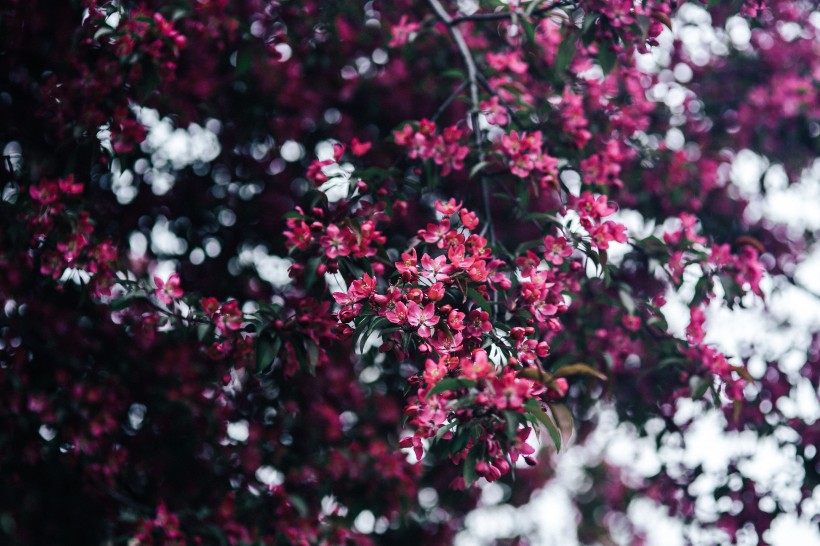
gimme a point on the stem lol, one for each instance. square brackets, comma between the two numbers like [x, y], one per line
[472, 80]
[175, 315]
[466, 55]
[498, 16]
[487, 87]
[449, 100]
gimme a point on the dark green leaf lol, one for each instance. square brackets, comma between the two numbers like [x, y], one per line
[566, 52]
[449, 384]
[511, 420]
[563, 417]
[470, 475]
[534, 409]
[606, 58]
[445, 429]
[478, 299]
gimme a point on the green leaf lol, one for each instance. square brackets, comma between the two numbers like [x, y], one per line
[702, 289]
[300, 504]
[606, 58]
[118, 304]
[743, 373]
[204, 331]
[478, 299]
[644, 22]
[478, 167]
[313, 357]
[698, 387]
[103, 31]
[243, 62]
[563, 417]
[307, 354]
[459, 441]
[450, 384]
[444, 430]
[453, 73]
[566, 52]
[627, 301]
[578, 369]
[266, 351]
[511, 419]
[534, 408]
[590, 18]
[470, 475]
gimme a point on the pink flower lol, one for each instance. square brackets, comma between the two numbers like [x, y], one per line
[436, 268]
[301, 236]
[556, 249]
[448, 208]
[749, 269]
[476, 368]
[520, 447]
[444, 343]
[407, 265]
[608, 232]
[436, 292]
[336, 242]
[434, 371]
[593, 208]
[510, 391]
[403, 32]
[362, 288]
[496, 114]
[415, 443]
[469, 219]
[358, 147]
[169, 290]
[478, 323]
[455, 320]
[425, 318]
[398, 315]
[631, 322]
[435, 233]
[230, 317]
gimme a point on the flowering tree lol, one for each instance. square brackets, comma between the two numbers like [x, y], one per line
[484, 210]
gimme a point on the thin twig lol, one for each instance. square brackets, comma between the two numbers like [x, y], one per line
[175, 315]
[466, 55]
[472, 80]
[486, 85]
[499, 16]
[449, 100]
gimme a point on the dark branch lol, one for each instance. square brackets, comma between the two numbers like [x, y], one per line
[500, 16]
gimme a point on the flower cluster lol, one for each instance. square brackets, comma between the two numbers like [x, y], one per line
[64, 236]
[440, 304]
[524, 154]
[424, 142]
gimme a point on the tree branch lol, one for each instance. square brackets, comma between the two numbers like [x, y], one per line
[472, 79]
[449, 100]
[499, 16]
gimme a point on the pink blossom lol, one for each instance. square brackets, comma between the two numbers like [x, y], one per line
[424, 318]
[556, 249]
[448, 208]
[476, 368]
[169, 290]
[397, 315]
[403, 32]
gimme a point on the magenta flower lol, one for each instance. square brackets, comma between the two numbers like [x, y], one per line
[425, 318]
[169, 290]
[398, 315]
[403, 32]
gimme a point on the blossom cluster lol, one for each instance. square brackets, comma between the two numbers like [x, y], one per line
[63, 234]
[444, 302]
